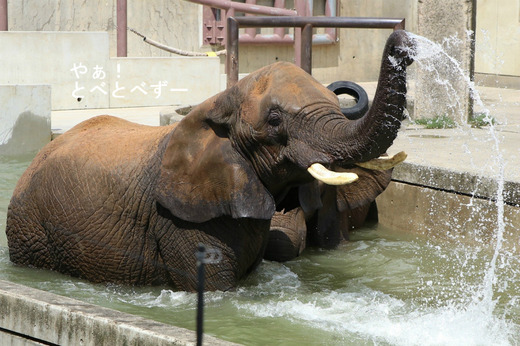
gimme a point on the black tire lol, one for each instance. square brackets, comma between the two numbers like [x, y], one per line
[357, 92]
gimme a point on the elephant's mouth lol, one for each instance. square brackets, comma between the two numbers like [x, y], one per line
[321, 173]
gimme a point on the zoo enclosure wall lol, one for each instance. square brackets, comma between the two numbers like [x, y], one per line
[356, 57]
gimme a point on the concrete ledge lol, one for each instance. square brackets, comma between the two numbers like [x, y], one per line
[453, 181]
[497, 81]
[50, 318]
[422, 210]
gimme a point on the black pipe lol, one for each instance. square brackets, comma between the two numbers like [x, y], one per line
[201, 254]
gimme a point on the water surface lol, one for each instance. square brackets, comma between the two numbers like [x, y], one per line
[384, 287]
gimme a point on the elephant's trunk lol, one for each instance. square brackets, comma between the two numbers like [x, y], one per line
[369, 137]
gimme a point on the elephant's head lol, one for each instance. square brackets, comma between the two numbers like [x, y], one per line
[239, 152]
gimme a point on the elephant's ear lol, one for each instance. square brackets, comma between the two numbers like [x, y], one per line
[203, 177]
[363, 191]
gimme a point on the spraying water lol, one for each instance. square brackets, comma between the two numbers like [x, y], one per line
[432, 57]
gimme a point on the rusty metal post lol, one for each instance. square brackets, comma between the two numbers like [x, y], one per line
[302, 9]
[298, 46]
[306, 48]
[280, 32]
[303, 42]
[331, 8]
[121, 28]
[232, 52]
[3, 15]
[246, 8]
[250, 31]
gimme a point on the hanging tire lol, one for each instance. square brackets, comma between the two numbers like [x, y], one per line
[357, 92]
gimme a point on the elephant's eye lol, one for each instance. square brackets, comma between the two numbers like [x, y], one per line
[274, 118]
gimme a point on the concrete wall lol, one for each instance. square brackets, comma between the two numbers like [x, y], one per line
[440, 89]
[422, 210]
[78, 67]
[47, 58]
[25, 118]
[163, 81]
[174, 23]
[498, 37]
[355, 57]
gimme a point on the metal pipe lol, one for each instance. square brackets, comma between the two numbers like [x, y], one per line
[322, 22]
[329, 37]
[121, 28]
[200, 255]
[306, 49]
[317, 39]
[331, 8]
[400, 26]
[246, 8]
[3, 15]
[279, 31]
[266, 39]
[232, 52]
[303, 30]
[250, 31]
[303, 10]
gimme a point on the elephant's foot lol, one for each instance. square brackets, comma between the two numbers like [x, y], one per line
[287, 236]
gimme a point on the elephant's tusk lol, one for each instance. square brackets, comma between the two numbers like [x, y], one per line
[322, 174]
[384, 163]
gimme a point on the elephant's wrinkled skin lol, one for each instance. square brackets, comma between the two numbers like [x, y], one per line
[114, 201]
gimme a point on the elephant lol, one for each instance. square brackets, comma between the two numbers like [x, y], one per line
[114, 201]
[334, 212]
[336, 209]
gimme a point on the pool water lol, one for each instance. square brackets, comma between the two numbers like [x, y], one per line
[384, 287]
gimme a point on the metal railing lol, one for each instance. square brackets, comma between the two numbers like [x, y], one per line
[215, 24]
[303, 43]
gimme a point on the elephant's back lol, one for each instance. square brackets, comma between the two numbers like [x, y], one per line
[104, 143]
[108, 137]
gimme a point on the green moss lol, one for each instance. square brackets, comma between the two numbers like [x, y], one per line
[438, 122]
[481, 119]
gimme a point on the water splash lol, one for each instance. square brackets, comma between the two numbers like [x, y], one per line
[449, 75]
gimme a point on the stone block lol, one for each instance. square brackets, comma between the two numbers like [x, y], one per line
[25, 121]
[441, 82]
[74, 63]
